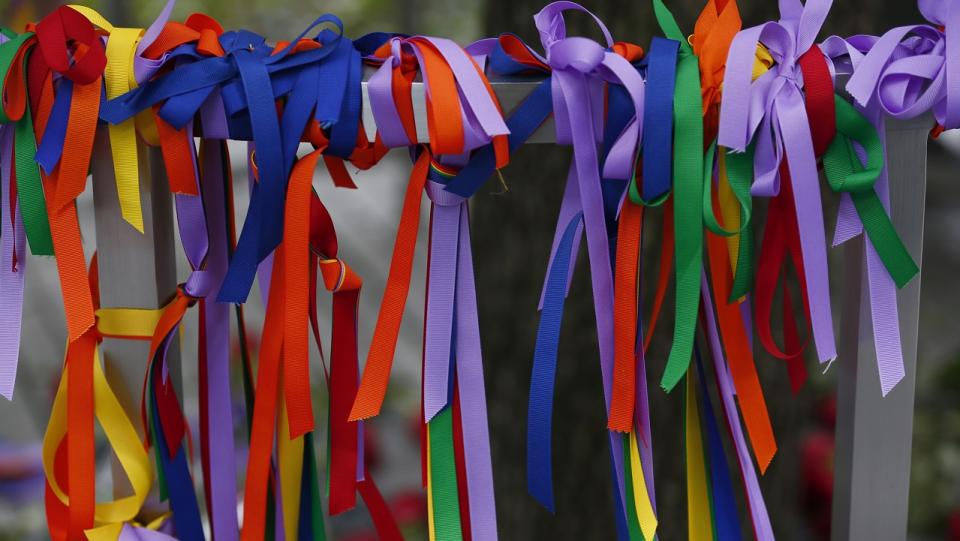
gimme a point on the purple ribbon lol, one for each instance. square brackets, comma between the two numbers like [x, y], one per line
[144, 68]
[201, 221]
[136, 533]
[867, 58]
[580, 69]
[771, 112]
[757, 507]
[13, 266]
[452, 298]
[481, 117]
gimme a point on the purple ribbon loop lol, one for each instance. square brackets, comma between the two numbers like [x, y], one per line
[479, 111]
[771, 112]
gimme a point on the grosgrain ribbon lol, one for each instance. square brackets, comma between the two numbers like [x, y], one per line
[687, 189]
[771, 111]
[123, 46]
[580, 69]
[13, 267]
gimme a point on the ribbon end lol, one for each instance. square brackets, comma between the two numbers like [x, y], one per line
[362, 412]
[888, 384]
[135, 220]
[764, 460]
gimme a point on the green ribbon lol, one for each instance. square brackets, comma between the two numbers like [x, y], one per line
[443, 478]
[739, 173]
[846, 173]
[312, 484]
[687, 190]
[740, 176]
[33, 206]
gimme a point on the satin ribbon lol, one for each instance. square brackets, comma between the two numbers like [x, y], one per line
[771, 111]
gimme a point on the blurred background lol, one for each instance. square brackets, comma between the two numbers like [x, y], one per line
[511, 236]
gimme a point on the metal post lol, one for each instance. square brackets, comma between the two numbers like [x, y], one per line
[875, 433]
[137, 271]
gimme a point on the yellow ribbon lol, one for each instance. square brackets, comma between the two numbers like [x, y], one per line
[128, 322]
[699, 519]
[290, 454]
[121, 434]
[123, 439]
[120, 78]
[729, 206]
[641, 498]
[111, 532]
[430, 528]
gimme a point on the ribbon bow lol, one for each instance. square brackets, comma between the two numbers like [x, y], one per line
[910, 69]
[771, 110]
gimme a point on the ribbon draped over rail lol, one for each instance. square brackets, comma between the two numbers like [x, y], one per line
[697, 125]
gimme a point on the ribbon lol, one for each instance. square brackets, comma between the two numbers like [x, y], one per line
[687, 179]
[14, 56]
[879, 67]
[123, 46]
[771, 107]
[451, 256]
[759, 516]
[13, 266]
[580, 69]
[445, 71]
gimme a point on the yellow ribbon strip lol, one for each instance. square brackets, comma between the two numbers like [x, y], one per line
[128, 322]
[430, 527]
[121, 435]
[111, 532]
[729, 206]
[699, 520]
[119, 78]
[641, 498]
[290, 455]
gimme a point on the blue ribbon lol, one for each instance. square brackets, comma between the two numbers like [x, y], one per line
[540, 409]
[658, 118]
[51, 145]
[176, 472]
[727, 520]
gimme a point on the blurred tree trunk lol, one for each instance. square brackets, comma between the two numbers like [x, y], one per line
[512, 236]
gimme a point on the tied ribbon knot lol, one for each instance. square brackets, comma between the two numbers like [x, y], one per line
[124, 47]
[770, 111]
[910, 69]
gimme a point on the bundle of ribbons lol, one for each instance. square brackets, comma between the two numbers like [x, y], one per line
[690, 131]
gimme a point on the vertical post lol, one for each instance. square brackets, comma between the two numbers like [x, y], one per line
[136, 271]
[875, 433]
